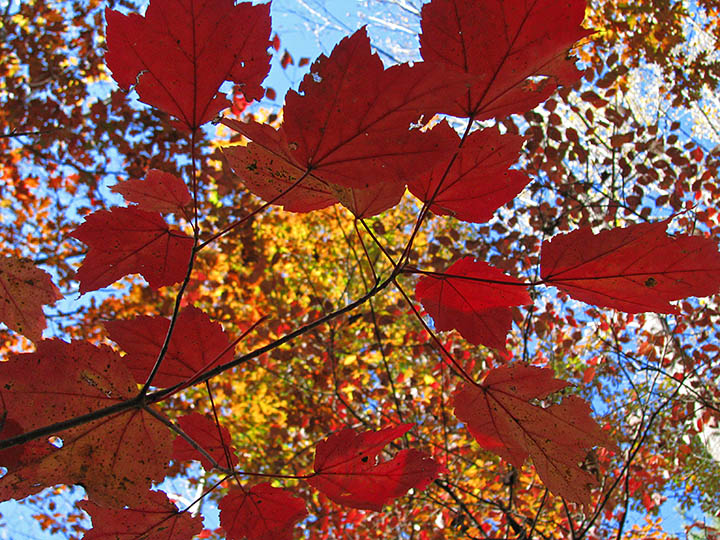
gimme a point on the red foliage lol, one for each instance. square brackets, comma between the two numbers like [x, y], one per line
[473, 298]
[214, 439]
[197, 344]
[127, 241]
[157, 192]
[203, 44]
[557, 438]
[260, 513]
[24, 289]
[635, 269]
[156, 518]
[348, 472]
[354, 133]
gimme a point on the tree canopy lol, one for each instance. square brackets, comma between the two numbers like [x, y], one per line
[468, 296]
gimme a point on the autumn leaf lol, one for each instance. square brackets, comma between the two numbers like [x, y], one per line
[156, 518]
[273, 176]
[473, 298]
[634, 269]
[348, 471]
[499, 415]
[126, 241]
[503, 44]
[260, 513]
[115, 458]
[214, 439]
[24, 289]
[351, 127]
[371, 201]
[16, 456]
[196, 345]
[157, 192]
[477, 181]
[178, 54]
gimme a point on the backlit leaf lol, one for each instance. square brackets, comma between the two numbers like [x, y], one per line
[347, 469]
[634, 269]
[473, 298]
[156, 518]
[115, 458]
[157, 192]
[197, 344]
[24, 289]
[260, 513]
[478, 181]
[126, 241]
[501, 418]
[214, 440]
[502, 44]
[202, 42]
[351, 127]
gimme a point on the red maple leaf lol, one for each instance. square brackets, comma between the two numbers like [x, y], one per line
[272, 175]
[24, 289]
[181, 51]
[115, 458]
[501, 418]
[634, 269]
[351, 127]
[126, 241]
[155, 518]
[157, 192]
[214, 439]
[348, 472]
[502, 44]
[270, 171]
[16, 456]
[260, 513]
[472, 297]
[478, 181]
[371, 201]
[197, 344]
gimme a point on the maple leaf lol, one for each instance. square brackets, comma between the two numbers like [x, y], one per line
[15, 457]
[115, 458]
[477, 181]
[500, 417]
[181, 51]
[260, 513]
[502, 44]
[351, 127]
[125, 241]
[273, 176]
[371, 201]
[24, 289]
[197, 344]
[634, 269]
[348, 472]
[156, 518]
[214, 439]
[472, 297]
[158, 192]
